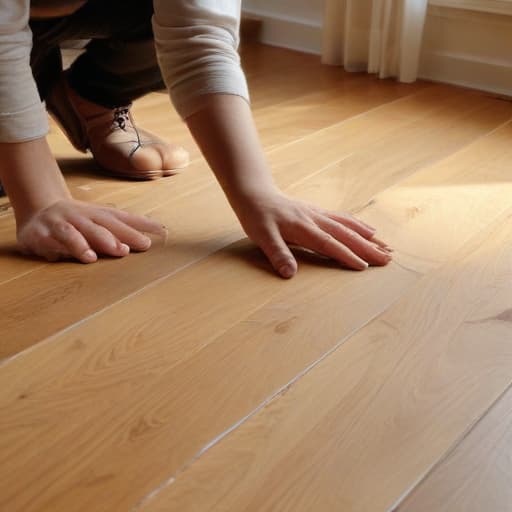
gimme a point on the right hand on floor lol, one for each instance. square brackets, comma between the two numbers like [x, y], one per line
[79, 230]
[273, 221]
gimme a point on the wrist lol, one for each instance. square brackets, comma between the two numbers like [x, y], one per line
[252, 194]
[31, 177]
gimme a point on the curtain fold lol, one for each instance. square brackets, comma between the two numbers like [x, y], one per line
[377, 36]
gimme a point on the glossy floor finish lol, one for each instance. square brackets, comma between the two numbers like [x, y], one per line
[191, 379]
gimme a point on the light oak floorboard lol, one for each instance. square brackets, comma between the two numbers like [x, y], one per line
[163, 389]
[393, 128]
[476, 476]
[155, 113]
[368, 422]
[279, 124]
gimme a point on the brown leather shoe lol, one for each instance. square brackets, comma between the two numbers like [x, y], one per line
[118, 146]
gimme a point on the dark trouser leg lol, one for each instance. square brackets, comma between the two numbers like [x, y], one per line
[45, 58]
[119, 64]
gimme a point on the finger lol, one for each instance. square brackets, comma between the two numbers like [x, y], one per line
[73, 241]
[54, 252]
[126, 234]
[100, 238]
[382, 244]
[351, 222]
[367, 250]
[278, 253]
[324, 243]
[140, 223]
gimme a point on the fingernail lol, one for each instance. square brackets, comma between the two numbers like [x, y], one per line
[383, 250]
[125, 248]
[359, 264]
[371, 228]
[380, 243]
[380, 249]
[89, 256]
[287, 271]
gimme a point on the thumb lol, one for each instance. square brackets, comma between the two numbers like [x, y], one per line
[279, 254]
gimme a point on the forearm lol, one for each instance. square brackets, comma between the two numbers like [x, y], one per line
[31, 177]
[225, 132]
[53, 225]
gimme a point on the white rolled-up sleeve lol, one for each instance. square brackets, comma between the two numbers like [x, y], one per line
[22, 114]
[197, 43]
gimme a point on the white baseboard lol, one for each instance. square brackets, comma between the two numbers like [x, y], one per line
[449, 55]
[468, 48]
[493, 6]
[466, 71]
[289, 32]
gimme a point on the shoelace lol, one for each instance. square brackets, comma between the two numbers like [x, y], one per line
[121, 116]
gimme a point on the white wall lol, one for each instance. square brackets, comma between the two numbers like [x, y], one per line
[306, 10]
[468, 48]
[295, 24]
[461, 46]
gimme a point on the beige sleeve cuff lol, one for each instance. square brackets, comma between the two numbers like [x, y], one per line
[199, 57]
[23, 126]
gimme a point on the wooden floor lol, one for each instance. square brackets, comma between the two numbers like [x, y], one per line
[191, 379]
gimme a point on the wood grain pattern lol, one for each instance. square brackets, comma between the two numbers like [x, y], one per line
[191, 378]
[163, 349]
[407, 134]
[477, 474]
[155, 112]
[366, 424]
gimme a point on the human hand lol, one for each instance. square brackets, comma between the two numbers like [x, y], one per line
[274, 220]
[79, 230]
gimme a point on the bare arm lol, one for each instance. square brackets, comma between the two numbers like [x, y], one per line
[49, 222]
[31, 177]
[53, 225]
[225, 131]
[197, 42]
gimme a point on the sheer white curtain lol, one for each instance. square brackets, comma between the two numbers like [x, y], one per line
[378, 36]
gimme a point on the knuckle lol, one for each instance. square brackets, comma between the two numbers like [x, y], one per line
[108, 213]
[348, 234]
[41, 237]
[61, 228]
[325, 241]
[273, 247]
[298, 224]
[352, 235]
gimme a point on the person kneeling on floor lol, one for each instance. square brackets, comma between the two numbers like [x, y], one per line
[135, 47]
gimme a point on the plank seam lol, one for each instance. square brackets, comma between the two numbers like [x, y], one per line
[286, 387]
[461, 149]
[415, 485]
[267, 401]
[150, 284]
[174, 272]
[422, 478]
[76, 324]
[268, 151]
